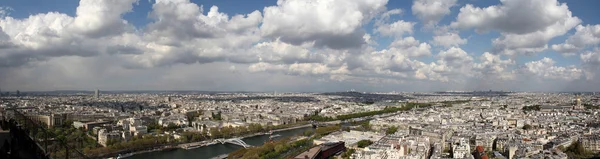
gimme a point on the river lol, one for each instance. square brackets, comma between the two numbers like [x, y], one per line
[214, 150]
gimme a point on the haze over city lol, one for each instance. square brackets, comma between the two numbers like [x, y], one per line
[380, 45]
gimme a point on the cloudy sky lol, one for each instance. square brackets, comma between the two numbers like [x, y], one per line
[300, 45]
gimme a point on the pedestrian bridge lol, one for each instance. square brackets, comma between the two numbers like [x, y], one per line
[235, 141]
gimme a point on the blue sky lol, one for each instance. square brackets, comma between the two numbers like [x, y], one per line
[410, 66]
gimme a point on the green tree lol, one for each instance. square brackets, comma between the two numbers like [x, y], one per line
[364, 143]
[366, 126]
[391, 130]
[215, 133]
[348, 153]
[308, 132]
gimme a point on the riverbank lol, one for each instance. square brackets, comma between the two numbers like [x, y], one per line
[211, 142]
[201, 144]
[165, 148]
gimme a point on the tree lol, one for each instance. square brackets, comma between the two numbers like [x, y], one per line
[347, 154]
[527, 127]
[172, 126]
[391, 130]
[366, 126]
[308, 132]
[364, 143]
[215, 133]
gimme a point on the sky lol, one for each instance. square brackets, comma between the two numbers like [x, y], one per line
[300, 45]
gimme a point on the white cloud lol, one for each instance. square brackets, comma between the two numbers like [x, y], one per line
[5, 11]
[449, 40]
[386, 15]
[455, 57]
[513, 16]
[396, 29]
[588, 35]
[525, 26]
[591, 63]
[326, 43]
[410, 47]
[591, 58]
[545, 69]
[493, 66]
[184, 20]
[534, 42]
[102, 18]
[334, 24]
[432, 11]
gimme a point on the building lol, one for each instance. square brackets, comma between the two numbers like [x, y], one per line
[92, 125]
[49, 120]
[591, 142]
[133, 126]
[323, 151]
[479, 153]
[104, 137]
[486, 141]
[97, 93]
[578, 105]
[461, 150]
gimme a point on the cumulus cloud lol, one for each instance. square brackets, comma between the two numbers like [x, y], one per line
[491, 65]
[329, 43]
[396, 29]
[591, 63]
[333, 24]
[449, 40]
[5, 11]
[102, 18]
[432, 11]
[411, 47]
[545, 69]
[525, 26]
[584, 36]
[513, 16]
[455, 57]
[42, 36]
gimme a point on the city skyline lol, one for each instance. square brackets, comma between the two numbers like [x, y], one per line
[300, 46]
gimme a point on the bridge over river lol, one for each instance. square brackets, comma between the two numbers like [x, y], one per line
[235, 141]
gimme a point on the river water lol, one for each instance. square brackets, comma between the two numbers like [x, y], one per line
[214, 150]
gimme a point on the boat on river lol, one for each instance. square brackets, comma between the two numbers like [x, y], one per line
[124, 156]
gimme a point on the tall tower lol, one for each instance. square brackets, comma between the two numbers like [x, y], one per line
[97, 94]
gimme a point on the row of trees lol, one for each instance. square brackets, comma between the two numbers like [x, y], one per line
[450, 103]
[135, 144]
[64, 134]
[391, 130]
[364, 143]
[284, 148]
[271, 150]
[577, 151]
[531, 108]
[229, 132]
[145, 142]
[407, 106]
[348, 153]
